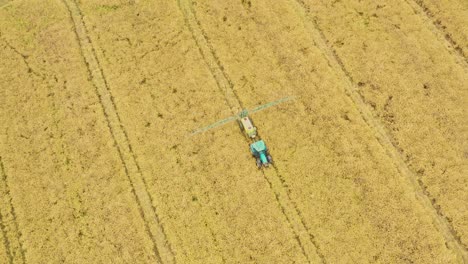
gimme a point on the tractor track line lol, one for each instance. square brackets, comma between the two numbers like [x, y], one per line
[161, 247]
[208, 54]
[294, 217]
[216, 71]
[290, 211]
[15, 252]
[440, 221]
[419, 8]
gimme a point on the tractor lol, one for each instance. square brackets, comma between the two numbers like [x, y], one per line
[258, 147]
[261, 154]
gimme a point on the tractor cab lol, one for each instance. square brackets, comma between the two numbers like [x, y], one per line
[260, 152]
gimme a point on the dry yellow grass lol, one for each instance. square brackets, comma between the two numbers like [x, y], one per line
[451, 18]
[416, 87]
[3, 248]
[98, 100]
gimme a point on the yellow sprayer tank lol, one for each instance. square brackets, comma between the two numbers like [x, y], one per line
[248, 127]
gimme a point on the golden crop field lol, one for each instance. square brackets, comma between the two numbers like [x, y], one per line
[99, 99]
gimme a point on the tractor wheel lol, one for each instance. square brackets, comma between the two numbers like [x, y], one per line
[270, 159]
[259, 163]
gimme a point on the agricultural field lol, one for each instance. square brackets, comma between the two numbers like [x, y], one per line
[99, 99]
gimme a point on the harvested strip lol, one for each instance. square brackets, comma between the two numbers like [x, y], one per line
[162, 248]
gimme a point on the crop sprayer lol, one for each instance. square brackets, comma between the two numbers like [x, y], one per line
[258, 148]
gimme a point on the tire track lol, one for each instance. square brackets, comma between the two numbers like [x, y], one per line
[206, 50]
[226, 86]
[419, 7]
[440, 221]
[294, 217]
[8, 222]
[161, 247]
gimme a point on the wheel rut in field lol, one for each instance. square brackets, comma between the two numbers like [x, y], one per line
[206, 50]
[384, 139]
[288, 208]
[8, 222]
[420, 8]
[161, 247]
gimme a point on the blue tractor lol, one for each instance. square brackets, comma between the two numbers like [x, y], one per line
[260, 152]
[258, 147]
